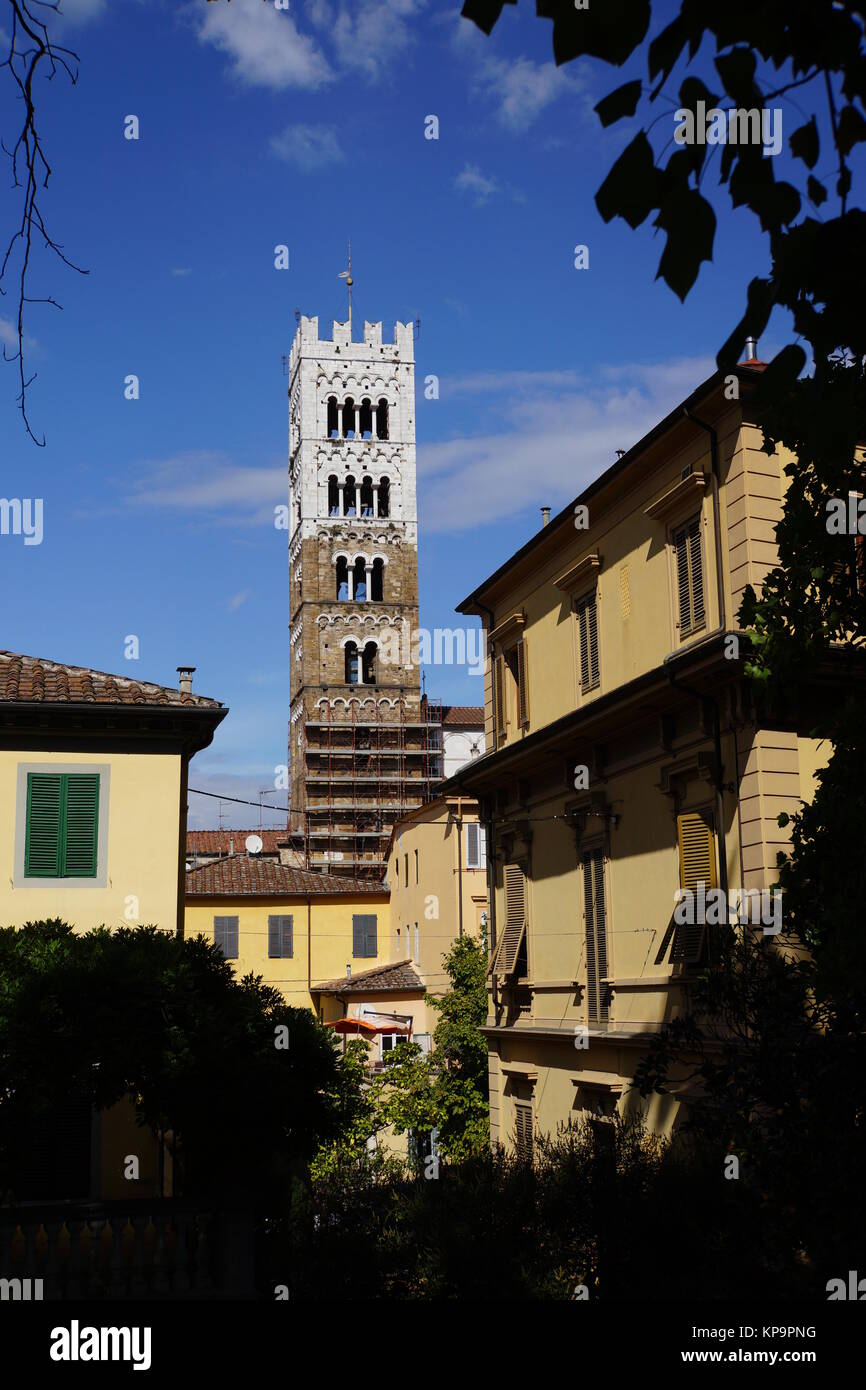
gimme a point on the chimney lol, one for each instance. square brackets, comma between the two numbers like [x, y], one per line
[620, 453]
[545, 515]
[185, 674]
[751, 350]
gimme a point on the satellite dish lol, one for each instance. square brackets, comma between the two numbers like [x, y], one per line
[254, 844]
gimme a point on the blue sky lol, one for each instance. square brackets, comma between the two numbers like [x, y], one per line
[260, 127]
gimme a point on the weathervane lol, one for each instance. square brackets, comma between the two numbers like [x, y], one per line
[347, 276]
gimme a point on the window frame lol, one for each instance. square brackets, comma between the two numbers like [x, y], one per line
[20, 879]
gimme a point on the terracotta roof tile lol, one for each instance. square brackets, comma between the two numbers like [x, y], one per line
[29, 679]
[398, 976]
[249, 876]
[463, 714]
[220, 841]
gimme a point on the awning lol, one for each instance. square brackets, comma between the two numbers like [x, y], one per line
[367, 1028]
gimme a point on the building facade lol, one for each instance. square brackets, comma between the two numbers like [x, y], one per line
[361, 746]
[462, 736]
[627, 763]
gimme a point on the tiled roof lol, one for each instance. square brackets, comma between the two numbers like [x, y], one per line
[221, 841]
[463, 714]
[247, 875]
[398, 976]
[33, 679]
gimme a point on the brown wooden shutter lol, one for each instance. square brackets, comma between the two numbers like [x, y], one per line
[696, 842]
[696, 573]
[587, 620]
[595, 909]
[690, 576]
[592, 616]
[515, 919]
[682, 551]
[523, 1131]
[499, 699]
[522, 686]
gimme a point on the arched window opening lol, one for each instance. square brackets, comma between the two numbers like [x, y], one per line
[366, 497]
[382, 419]
[369, 664]
[352, 664]
[365, 421]
[349, 418]
[384, 497]
[333, 496]
[342, 578]
[349, 508]
[359, 575]
[333, 428]
[377, 581]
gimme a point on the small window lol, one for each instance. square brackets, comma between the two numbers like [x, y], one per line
[476, 846]
[595, 914]
[225, 935]
[406, 865]
[523, 1131]
[398, 957]
[587, 632]
[280, 944]
[416, 866]
[364, 934]
[690, 577]
[62, 825]
[417, 943]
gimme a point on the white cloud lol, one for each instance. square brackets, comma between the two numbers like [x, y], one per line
[557, 436]
[209, 483]
[181, 271]
[472, 180]
[237, 601]
[367, 35]
[308, 146]
[80, 11]
[523, 89]
[265, 45]
[9, 336]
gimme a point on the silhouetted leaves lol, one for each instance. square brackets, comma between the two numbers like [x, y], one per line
[632, 187]
[621, 102]
[690, 223]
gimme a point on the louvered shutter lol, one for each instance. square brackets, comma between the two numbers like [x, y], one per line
[499, 698]
[280, 936]
[225, 935]
[595, 909]
[482, 847]
[82, 825]
[697, 573]
[690, 576]
[522, 686]
[682, 550]
[587, 621]
[515, 919]
[696, 842]
[43, 841]
[472, 846]
[273, 936]
[523, 1131]
[364, 934]
[287, 936]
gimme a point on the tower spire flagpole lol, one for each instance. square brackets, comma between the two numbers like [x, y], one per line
[347, 276]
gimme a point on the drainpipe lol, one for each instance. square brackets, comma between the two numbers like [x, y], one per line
[459, 869]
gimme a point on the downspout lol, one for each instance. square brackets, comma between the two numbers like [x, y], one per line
[459, 870]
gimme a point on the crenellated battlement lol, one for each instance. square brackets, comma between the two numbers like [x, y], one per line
[307, 343]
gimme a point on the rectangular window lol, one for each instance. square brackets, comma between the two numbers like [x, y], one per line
[476, 846]
[522, 685]
[499, 726]
[416, 866]
[417, 943]
[364, 934]
[697, 854]
[690, 576]
[523, 1131]
[406, 868]
[62, 826]
[225, 935]
[508, 951]
[587, 632]
[280, 944]
[595, 913]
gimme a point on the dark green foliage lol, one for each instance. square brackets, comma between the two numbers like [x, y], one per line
[139, 1012]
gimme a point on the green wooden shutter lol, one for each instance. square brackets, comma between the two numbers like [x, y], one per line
[82, 825]
[43, 834]
[62, 830]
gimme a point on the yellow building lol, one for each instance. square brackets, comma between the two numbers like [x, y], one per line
[93, 791]
[437, 873]
[294, 927]
[626, 760]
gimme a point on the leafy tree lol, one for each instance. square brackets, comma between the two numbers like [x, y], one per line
[139, 1012]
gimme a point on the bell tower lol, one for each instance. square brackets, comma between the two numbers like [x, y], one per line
[361, 746]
